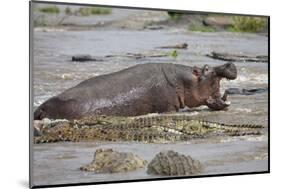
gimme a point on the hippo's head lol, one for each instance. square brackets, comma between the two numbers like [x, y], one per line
[227, 71]
[209, 84]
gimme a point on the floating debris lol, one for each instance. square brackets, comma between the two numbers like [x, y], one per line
[154, 27]
[84, 58]
[140, 55]
[238, 91]
[177, 46]
[237, 57]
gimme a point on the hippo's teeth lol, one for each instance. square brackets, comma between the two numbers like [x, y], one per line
[227, 102]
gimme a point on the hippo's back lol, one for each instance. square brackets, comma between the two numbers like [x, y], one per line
[112, 94]
[110, 85]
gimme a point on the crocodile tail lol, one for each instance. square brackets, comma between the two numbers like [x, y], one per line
[250, 126]
[217, 125]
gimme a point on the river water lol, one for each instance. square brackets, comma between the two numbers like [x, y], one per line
[54, 72]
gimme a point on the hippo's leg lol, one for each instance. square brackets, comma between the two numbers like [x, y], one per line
[218, 103]
[224, 97]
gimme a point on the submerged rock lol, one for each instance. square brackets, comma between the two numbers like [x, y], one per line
[110, 161]
[218, 21]
[171, 163]
[154, 27]
[177, 46]
[234, 91]
[84, 58]
[238, 57]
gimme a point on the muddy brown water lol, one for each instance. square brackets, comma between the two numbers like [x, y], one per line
[54, 72]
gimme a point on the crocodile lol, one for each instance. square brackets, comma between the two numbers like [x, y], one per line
[171, 163]
[112, 161]
[149, 129]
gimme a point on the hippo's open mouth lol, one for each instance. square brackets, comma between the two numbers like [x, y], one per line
[218, 101]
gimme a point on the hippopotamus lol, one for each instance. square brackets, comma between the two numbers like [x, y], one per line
[141, 89]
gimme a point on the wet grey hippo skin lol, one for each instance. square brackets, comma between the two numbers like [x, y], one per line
[141, 89]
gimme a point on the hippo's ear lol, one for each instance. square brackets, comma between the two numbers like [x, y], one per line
[196, 71]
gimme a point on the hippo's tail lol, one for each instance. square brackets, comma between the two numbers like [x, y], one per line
[39, 114]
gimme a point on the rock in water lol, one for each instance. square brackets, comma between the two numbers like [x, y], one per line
[177, 46]
[110, 161]
[218, 21]
[84, 58]
[238, 57]
[234, 91]
[171, 163]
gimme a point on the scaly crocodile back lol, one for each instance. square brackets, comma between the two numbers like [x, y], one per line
[159, 128]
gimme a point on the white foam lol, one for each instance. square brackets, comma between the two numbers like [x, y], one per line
[49, 29]
[193, 113]
[67, 76]
[257, 138]
[247, 138]
[227, 102]
[247, 110]
[251, 78]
